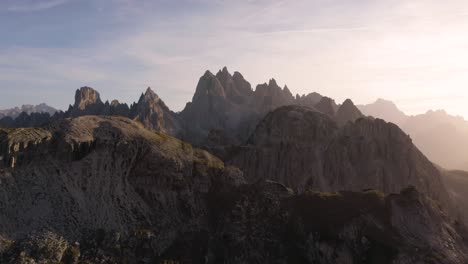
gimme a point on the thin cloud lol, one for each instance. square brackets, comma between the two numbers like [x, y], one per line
[36, 6]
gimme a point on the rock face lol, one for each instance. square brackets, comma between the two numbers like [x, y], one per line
[227, 103]
[223, 102]
[302, 148]
[347, 112]
[153, 113]
[99, 172]
[440, 136]
[456, 182]
[87, 102]
[106, 190]
[309, 100]
[327, 106]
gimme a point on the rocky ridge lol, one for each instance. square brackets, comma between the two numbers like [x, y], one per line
[440, 136]
[106, 190]
[303, 148]
[28, 109]
[222, 102]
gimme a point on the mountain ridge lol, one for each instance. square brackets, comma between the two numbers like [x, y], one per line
[442, 137]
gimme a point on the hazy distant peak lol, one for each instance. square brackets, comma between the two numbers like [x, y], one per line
[437, 112]
[384, 101]
[384, 109]
[348, 112]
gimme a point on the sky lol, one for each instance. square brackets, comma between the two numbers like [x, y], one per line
[414, 53]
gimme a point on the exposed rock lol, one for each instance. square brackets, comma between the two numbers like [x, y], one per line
[87, 102]
[118, 109]
[302, 149]
[347, 112]
[309, 100]
[327, 106]
[100, 172]
[456, 183]
[268, 97]
[153, 113]
[106, 190]
[236, 88]
[266, 223]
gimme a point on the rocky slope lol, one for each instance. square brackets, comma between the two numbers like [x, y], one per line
[153, 113]
[106, 190]
[302, 148]
[456, 182]
[440, 136]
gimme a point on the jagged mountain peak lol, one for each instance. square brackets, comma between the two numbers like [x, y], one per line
[224, 71]
[86, 96]
[272, 83]
[208, 74]
[348, 112]
[150, 95]
[327, 106]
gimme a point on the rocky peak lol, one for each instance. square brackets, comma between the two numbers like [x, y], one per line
[87, 102]
[154, 114]
[149, 96]
[293, 124]
[86, 96]
[269, 96]
[327, 106]
[309, 100]
[115, 103]
[347, 112]
[208, 86]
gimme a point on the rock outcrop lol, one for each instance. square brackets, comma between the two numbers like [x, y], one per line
[227, 102]
[87, 102]
[106, 190]
[327, 106]
[153, 113]
[309, 100]
[302, 148]
[347, 112]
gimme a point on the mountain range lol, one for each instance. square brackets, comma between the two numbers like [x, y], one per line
[440, 136]
[28, 109]
[239, 176]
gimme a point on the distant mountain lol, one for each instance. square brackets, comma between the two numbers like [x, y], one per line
[28, 109]
[280, 179]
[442, 137]
[384, 109]
[224, 104]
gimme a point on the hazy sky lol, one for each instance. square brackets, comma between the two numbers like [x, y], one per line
[412, 52]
